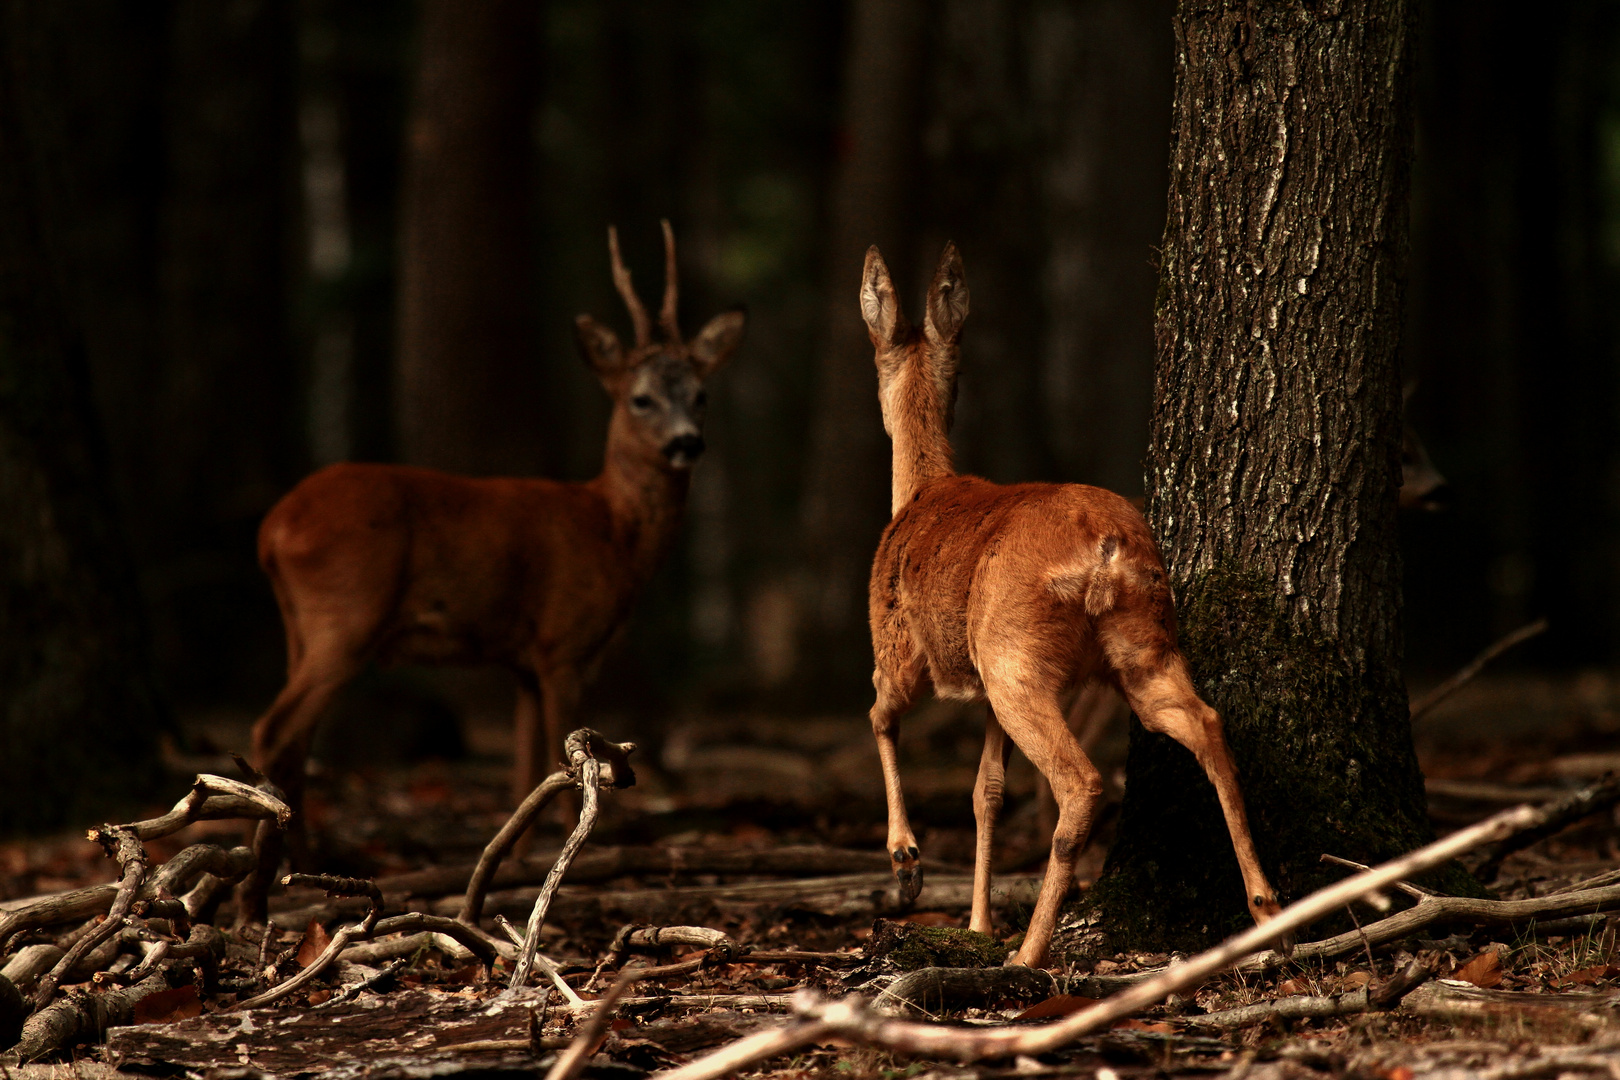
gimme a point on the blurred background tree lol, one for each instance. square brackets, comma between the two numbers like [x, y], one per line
[268, 199]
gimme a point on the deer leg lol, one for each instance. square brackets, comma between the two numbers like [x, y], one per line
[892, 701]
[1167, 703]
[1035, 724]
[281, 740]
[987, 797]
[528, 750]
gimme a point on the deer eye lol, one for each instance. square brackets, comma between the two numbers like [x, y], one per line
[642, 401]
[702, 397]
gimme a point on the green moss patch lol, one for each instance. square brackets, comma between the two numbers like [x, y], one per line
[911, 947]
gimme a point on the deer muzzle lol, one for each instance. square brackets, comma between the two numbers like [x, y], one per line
[684, 450]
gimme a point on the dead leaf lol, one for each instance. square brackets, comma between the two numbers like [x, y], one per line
[1133, 1024]
[181, 1003]
[1291, 986]
[314, 942]
[320, 997]
[1484, 971]
[1399, 1072]
[1587, 976]
[1356, 979]
[1060, 1005]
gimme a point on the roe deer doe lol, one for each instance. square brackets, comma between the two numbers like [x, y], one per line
[393, 563]
[1015, 594]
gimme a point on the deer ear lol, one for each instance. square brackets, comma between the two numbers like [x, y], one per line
[716, 342]
[947, 300]
[599, 345]
[880, 307]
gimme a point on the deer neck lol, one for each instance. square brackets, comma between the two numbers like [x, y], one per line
[916, 413]
[646, 499]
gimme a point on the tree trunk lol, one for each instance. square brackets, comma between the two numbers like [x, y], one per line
[846, 498]
[468, 380]
[1273, 465]
[79, 719]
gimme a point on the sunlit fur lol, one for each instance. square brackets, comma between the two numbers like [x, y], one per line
[1014, 594]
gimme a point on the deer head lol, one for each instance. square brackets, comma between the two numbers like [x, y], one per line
[657, 384]
[916, 367]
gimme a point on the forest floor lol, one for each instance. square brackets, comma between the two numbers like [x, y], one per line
[769, 831]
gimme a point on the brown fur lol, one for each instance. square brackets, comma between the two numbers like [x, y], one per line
[393, 563]
[1015, 595]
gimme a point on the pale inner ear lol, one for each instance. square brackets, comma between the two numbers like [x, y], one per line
[880, 307]
[947, 300]
[716, 342]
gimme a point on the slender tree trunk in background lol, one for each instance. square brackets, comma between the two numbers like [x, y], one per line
[1273, 466]
[468, 379]
[1513, 274]
[846, 497]
[79, 718]
[983, 153]
[1102, 77]
[224, 420]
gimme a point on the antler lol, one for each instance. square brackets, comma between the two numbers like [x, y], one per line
[666, 316]
[621, 281]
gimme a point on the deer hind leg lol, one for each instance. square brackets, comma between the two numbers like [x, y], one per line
[1166, 702]
[987, 797]
[894, 697]
[281, 740]
[1032, 719]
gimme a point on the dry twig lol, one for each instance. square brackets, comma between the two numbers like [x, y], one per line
[571, 1061]
[1434, 697]
[597, 763]
[1553, 818]
[853, 1019]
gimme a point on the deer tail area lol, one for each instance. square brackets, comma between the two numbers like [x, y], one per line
[1093, 578]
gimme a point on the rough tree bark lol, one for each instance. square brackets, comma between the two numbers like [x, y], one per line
[79, 718]
[467, 377]
[1272, 468]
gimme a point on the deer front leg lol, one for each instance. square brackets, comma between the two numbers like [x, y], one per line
[902, 843]
[987, 797]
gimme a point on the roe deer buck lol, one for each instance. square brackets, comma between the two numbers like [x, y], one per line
[1015, 594]
[393, 563]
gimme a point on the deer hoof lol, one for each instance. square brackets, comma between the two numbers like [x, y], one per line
[908, 872]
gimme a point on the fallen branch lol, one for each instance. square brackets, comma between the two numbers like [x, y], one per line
[1311, 1007]
[29, 963]
[174, 876]
[1434, 697]
[572, 1060]
[122, 842]
[1442, 909]
[211, 798]
[603, 864]
[853, 1019]
[633, 938]
[582, 746]
[472, 907]
[1552, 818]
[82, 1016]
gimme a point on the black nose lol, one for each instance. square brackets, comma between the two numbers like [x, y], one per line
[684, 449]
[1439, 498]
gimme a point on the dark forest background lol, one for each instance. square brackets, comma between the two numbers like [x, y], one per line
[360, 229]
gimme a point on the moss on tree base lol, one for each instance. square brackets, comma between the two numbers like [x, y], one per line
[1324, 756]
